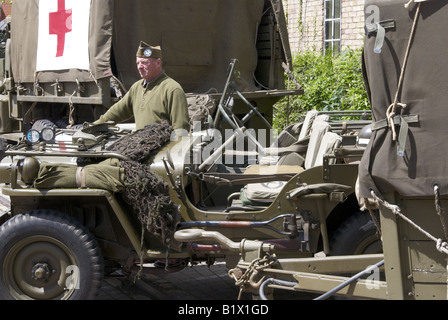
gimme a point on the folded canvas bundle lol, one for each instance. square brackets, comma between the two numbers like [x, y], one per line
[107, 175]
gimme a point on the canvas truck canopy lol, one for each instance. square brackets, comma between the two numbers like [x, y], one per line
[43, 35]
[406, 78]
[198, 39]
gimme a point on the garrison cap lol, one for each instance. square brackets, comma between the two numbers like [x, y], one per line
[147, 51]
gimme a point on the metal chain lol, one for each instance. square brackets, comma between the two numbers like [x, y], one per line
[252, 271]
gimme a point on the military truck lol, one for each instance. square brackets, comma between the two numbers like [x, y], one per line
[92, 199]
[67, 62]
[402, 172]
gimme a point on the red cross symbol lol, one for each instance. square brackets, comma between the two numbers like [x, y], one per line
[60, 24]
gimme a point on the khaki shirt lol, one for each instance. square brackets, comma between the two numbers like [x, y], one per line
[151, 102]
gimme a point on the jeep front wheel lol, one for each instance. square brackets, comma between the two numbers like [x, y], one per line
[47, 255]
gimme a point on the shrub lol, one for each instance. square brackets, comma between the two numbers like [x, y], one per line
[330, 83]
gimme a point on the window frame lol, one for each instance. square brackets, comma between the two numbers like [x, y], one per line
[333, 19]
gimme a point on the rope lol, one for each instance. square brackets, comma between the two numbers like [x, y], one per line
[441, 246]
[71, 109]
[440, 212]
[142, 250]
[375, 221]
[94, 79]
[390, 113]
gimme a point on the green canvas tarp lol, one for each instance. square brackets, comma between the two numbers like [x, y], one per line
[411, 164]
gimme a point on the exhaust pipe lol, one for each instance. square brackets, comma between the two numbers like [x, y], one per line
[196, 235]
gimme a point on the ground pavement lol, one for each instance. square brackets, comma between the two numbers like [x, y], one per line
[199, 282]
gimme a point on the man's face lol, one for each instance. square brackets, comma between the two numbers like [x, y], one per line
[149, 68]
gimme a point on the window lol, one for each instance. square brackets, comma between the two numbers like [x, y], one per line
[332, 26]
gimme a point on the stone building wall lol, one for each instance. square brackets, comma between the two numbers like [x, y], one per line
[352, 20]
[306, 24]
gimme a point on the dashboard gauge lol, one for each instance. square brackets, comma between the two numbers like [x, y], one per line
[47, 134]
[33, 136]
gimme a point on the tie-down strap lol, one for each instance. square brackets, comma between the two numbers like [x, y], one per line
[380, 29]
[403, 121]
[80, 178]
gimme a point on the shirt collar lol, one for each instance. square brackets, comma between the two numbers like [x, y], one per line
[153, 81]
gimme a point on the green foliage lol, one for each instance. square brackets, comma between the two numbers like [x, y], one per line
[330, 82]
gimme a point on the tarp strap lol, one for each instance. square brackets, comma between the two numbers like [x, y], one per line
[398, 120]
[403, 121]
[380, 35]
[81, 178]
[380, 29]
[402, 136]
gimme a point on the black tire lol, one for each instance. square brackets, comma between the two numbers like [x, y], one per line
[357, 235]
[43, 123]
[47, 255]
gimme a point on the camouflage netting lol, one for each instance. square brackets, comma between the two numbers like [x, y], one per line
[144, 191]
[140, 145]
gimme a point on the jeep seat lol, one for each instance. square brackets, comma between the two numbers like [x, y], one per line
[262, 194]
[292, 140]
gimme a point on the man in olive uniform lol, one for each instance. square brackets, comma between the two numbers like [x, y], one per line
[155, 98]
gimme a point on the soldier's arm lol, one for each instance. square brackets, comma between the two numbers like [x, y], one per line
[179, 117]
[119, 112]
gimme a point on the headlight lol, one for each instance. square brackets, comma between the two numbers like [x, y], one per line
[33, 136]
[47, 134]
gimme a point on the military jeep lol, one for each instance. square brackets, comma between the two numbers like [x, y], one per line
[87, 202]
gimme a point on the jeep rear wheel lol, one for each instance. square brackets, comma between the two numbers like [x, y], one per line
[47, 255]
[357, 235]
